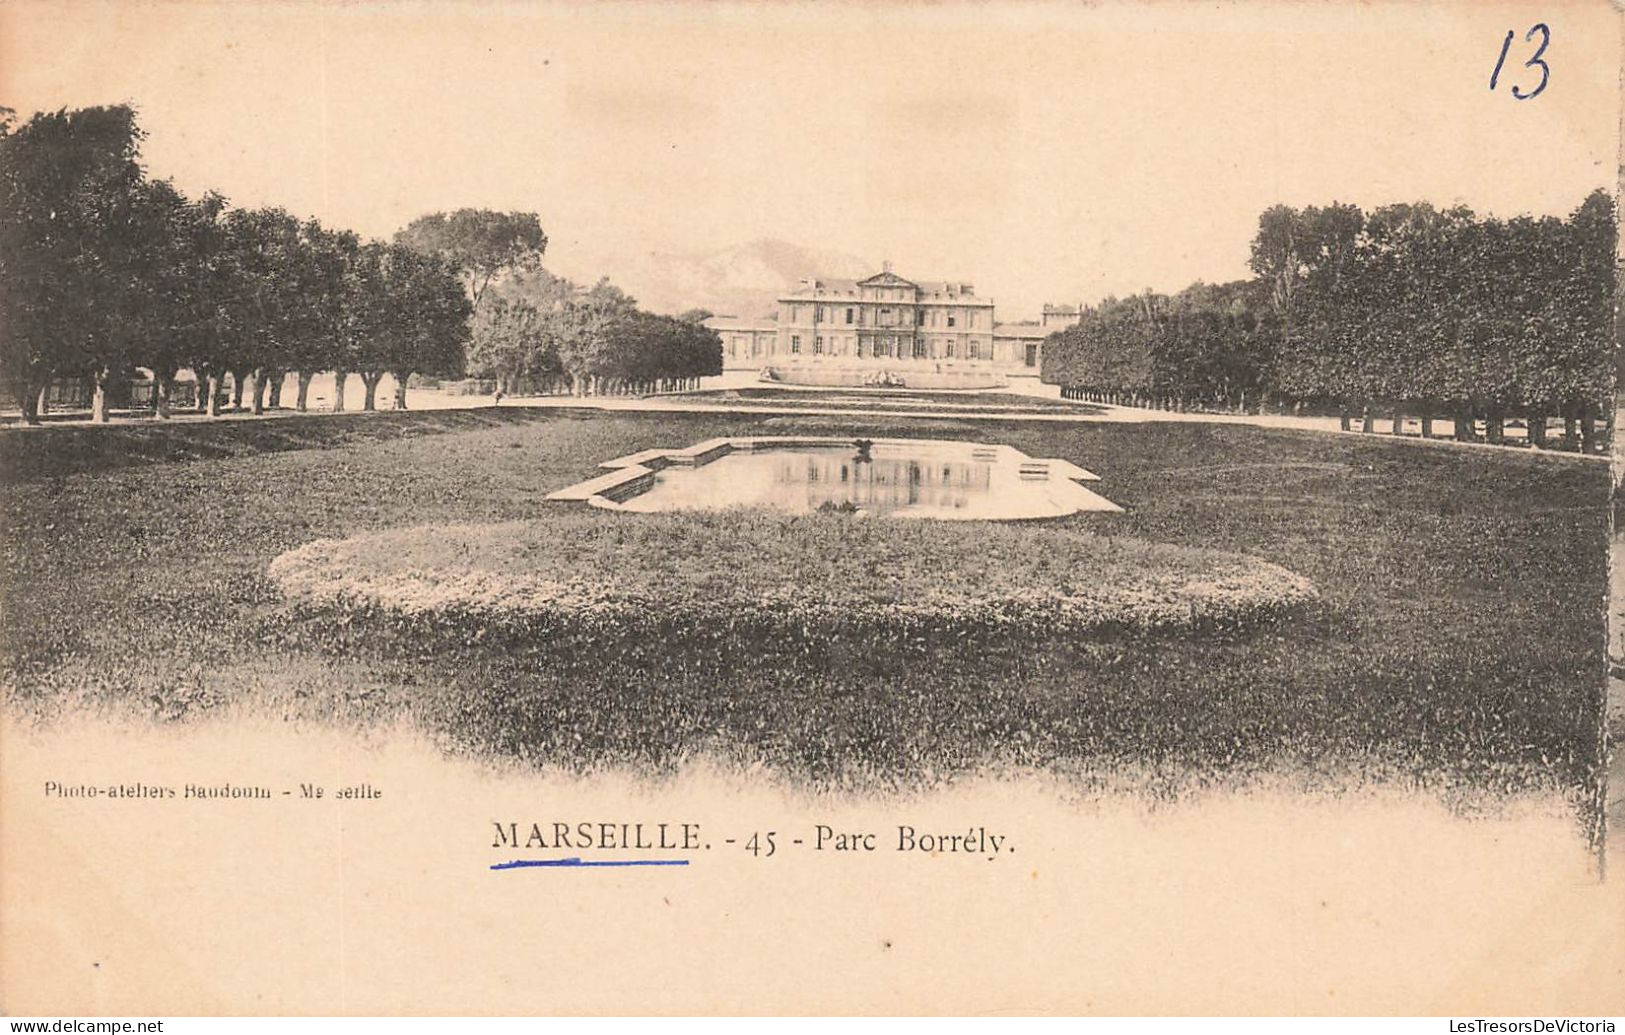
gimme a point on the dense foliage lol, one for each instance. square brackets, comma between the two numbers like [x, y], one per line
[1406, 310]
[104, 271]
[482, 244]
[1209, 345]
[543, 334]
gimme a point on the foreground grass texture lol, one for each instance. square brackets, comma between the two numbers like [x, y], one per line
[1458, 643]
[749, 576]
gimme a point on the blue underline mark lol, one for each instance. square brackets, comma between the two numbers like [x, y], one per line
[525, 864]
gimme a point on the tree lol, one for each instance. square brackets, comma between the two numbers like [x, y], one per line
[264, 308]
[1574, 315]
[538, 288]
[175, 318]
[1301, 259]
[418, 318]
[643, 350]
[1107, 354]
[363, 314]
[69, 248]
[582, 328]
[1280, 255]
[315, 328]
[512, 339]
[1410, 310]
[514, 343]
[481, 244]
[1212, 348]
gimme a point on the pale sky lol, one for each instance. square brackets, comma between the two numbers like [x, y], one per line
[1045, 152]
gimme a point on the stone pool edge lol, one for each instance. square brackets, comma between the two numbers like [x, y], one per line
[627, 476]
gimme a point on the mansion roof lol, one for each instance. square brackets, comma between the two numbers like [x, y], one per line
[816, 288]
[1023, 329]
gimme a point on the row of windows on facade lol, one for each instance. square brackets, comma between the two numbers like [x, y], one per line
[885, 347]
[887, 317]
[917, 350]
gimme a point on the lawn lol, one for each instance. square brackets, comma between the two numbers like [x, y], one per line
[1458, 642]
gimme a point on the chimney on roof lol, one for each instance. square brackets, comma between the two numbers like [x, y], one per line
[885, 266]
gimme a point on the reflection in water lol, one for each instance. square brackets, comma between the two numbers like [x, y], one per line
[952, 480]
[879, 484]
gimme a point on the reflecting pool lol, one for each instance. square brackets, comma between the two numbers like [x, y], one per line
[902, 478]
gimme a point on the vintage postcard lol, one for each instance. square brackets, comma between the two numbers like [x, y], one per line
[809, 508]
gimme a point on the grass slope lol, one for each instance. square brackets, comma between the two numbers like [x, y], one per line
[51, 452]
[1459, 641]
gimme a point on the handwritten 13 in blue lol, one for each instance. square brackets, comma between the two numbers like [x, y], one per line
[1535, 61]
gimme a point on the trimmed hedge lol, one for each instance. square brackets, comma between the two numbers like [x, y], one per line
[704, 576]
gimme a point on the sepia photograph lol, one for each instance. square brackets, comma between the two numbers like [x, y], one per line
[811, 508]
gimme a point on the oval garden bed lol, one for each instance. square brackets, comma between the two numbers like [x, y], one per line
[665, 580]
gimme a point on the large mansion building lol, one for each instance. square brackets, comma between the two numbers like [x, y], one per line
[887, 330]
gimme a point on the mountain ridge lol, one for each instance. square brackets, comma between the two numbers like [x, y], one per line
[744, 280]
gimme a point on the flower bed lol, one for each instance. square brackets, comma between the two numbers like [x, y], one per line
[731, 574]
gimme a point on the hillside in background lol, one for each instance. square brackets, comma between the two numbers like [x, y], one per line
[744, 280]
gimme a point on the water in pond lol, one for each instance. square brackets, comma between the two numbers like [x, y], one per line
[954, 480]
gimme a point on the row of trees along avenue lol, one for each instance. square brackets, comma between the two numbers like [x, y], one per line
[1407, 311]
[104, 271]
[539, 333]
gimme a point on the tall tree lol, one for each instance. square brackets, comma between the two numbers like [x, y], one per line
[363, 315]
[481, 244]
[264, 306]
[69, 248]
[515, 344]
[583, 327]
[315, 327]
[420, 321]
[173, 308]
[1579, 311]
[514, 338]
[201, 341]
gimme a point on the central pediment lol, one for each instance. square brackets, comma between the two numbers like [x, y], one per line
[887, 279]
